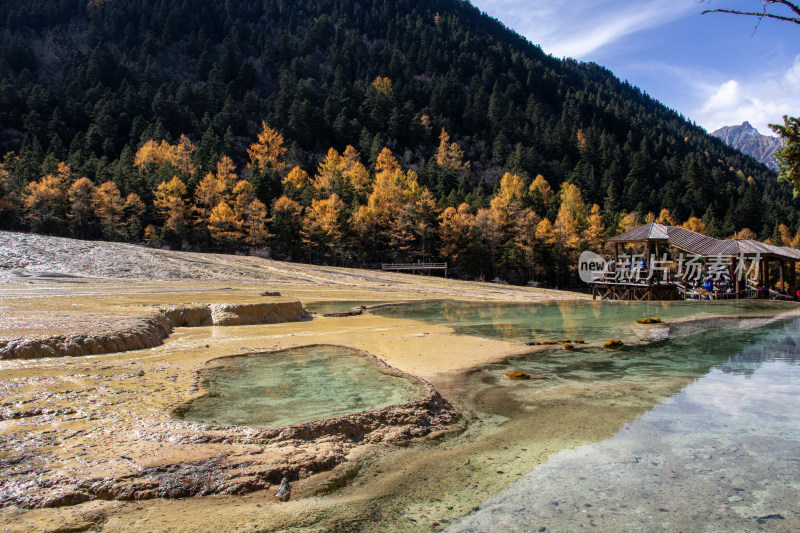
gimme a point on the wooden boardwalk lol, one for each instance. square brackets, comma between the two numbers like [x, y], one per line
[415, 267]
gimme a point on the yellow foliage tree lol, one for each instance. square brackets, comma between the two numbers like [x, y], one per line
[402, 235]
[524, 234]
[492, 225]
[363, 222]
[321, 230]
[543, 187]
[170, 204]
[450, 156]
[425, 220]
[664, 217]
[628, 222]
[388, 192]
[744, 233]
[133, 209]
[355, 172]
[268, 150]
[81, 208]
[383, 85]
[297, 178]
[566, 231]
[786, 235]
[572, 201]
[109, 208]
[511, 192]
[45, 203]
[694, 224]
[330, 174]
[595, 229]
[386, 162]
[454, 230]
[214, 188]
[161, 154]
[545, 233]
[225, 226]
[287, 219]
[252, 212]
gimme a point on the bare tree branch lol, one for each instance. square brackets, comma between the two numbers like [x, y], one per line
[764, 14]
[796, 20]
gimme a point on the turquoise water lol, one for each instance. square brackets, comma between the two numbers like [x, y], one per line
[338, 306]
[721, 455]
[588, 320]
[293, 386]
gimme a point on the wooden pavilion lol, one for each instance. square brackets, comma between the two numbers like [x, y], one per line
[726, 256]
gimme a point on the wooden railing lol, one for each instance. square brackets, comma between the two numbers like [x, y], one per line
[413, 266]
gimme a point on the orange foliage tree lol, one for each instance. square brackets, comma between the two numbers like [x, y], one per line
[321, 230]
[81, 207]
[170, 204]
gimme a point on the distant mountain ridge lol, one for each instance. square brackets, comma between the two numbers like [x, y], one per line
[748, 140]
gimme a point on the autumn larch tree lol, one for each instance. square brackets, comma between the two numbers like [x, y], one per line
[267, 163]
[81, 208]
[170, 204]
[322, 227]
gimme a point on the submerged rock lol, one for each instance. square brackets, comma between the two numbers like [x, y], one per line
[613, 344]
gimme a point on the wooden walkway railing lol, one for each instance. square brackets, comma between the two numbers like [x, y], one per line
[415, 267]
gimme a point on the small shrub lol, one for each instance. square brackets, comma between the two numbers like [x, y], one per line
[517, 375]
[648, 320]
[569, 346]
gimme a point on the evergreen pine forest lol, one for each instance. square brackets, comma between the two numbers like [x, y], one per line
[347, 132]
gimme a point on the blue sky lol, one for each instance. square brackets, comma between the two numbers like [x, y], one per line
[715, 69]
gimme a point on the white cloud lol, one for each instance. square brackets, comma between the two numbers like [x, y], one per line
[761, 99]
[584, 26]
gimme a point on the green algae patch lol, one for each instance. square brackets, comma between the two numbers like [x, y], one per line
[294, 386]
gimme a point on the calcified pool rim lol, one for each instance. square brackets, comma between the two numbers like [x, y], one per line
[359, 422]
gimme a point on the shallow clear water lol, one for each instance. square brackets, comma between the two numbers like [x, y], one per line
[293, 386]
[591, 321]
[338, 306]
[721, 455]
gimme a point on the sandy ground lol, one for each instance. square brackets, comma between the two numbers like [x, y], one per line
[96, 415]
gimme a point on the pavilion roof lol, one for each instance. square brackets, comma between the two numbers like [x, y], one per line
[703, 245]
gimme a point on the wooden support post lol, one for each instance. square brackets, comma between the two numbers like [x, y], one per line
[783, 287]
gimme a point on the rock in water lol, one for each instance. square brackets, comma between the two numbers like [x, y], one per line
[283, 490]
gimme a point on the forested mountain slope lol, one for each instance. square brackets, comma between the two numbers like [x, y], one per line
[90, 84]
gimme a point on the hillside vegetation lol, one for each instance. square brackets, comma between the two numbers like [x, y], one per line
[347, 132]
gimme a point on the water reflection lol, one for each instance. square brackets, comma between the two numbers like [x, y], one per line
[293, 386]
[588, 320]
[720, 455]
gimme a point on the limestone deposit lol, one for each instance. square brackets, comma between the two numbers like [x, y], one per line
[151, 330]
[82, 436]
